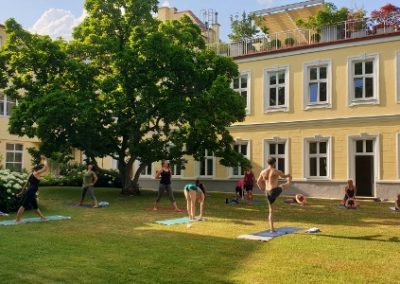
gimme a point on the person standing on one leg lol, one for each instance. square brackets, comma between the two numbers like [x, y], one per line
[29, 199]
[268, 183]
[165, 185]
[192, 194]
[89, 180]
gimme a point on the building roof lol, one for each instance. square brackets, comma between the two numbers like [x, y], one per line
[289, 7]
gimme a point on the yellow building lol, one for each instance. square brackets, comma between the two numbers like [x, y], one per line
[327, 107]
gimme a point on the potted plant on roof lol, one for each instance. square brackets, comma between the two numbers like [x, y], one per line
[244, 30]
[356, 23]
[325, 23]
[386, 19]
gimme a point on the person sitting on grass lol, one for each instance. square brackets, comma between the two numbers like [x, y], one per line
[194, 193]
[397, 203]
[29, 195]
[299, 199]
[349, 200]
[239, 189]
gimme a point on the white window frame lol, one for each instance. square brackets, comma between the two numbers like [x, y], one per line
[206, 156]
[248, 156]
[307, 156]
[5, 102]
[352, 101]
[266, 107]
[145, 170]
[114, 164]
[174, 167]
[267, 154]
[397, 75]
[306, 80]
[14, 152]
[248, 89]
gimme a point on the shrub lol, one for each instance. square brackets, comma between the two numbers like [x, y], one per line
[289, 41]
[10, 184]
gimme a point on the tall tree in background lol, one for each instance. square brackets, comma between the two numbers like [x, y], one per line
[244, 28]
[126, 86]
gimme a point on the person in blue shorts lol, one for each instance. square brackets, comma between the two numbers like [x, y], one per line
[194, 193]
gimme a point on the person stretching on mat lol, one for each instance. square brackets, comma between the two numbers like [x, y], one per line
[194, 193]
[397, 203]
[349, 200]
[89, 180]
[298, 199]
[249, 180]
[29, 195]
[165, 185]
[268, 182]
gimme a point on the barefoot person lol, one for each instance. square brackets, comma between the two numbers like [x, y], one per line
[397, 203]
[194, 193]
[249, 180]
[349, 200]
[29, 195]
[165, 185]
[89, 180]
[268, 183]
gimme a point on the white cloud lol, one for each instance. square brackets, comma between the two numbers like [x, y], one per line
[57, 23]
[266, 2]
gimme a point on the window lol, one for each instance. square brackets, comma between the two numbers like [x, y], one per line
[147, 171]
[241, 147]
[317, 84]
[277, 148]
[317, 157]
[114, 164]
[207, 165]
[6, 105]
[14, 157]
[276, 93]
[177, 168]
[363, 80]
[241, 84]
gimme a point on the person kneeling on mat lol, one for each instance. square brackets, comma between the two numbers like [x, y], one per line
[193, 194]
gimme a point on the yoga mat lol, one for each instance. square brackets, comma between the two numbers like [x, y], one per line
[164, 210]
[343, 207]
[394, 209]
[34, 220]
[183, 220]
[266, 236]
[3, 214]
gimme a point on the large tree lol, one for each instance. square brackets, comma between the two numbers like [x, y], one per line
[126, 86]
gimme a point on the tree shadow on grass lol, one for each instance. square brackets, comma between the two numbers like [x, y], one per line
[375, 238]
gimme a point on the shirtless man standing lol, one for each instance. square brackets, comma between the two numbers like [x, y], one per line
[271, 176]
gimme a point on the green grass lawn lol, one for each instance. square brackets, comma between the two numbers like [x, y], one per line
[122, 244]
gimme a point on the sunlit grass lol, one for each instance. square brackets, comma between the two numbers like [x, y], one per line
[122, 244]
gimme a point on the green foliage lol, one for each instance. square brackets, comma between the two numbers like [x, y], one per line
[127, 86]
[11, 183]
[329, 15]
[244, 28]
[315, 37]
[289, 41]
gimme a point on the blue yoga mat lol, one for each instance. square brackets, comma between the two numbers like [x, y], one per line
[268, 235]
[34, 220]
[183, 220]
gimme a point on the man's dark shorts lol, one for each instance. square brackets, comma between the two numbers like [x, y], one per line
[273, 194]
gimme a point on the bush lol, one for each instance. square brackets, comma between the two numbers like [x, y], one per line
[10, 184]
[275, 43]
[289, 41]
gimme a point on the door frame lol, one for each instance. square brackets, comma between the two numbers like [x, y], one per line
[351, 155]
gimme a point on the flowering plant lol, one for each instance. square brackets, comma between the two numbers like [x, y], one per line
[11, 183]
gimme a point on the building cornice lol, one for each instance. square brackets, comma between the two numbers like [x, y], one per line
[322, 121]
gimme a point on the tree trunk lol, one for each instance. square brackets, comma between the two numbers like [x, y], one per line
[129, 186]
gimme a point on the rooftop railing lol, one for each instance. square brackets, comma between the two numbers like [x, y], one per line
[351, 29]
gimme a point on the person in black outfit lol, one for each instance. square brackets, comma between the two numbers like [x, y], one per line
[29, 195]
[165, 185]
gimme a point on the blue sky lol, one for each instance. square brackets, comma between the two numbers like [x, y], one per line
[65, 12]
